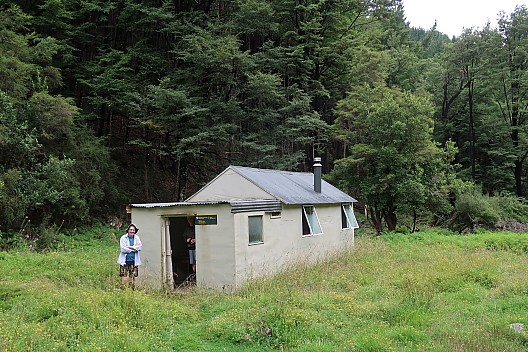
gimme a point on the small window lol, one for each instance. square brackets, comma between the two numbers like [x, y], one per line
[310, 221]
[255, 229]
[275, 214]
[348, 219]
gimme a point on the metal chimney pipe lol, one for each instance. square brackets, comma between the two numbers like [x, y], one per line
[317, 170]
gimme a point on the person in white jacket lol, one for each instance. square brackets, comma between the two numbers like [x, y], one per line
[129, 260]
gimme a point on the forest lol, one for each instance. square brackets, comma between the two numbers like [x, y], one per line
[104, 103]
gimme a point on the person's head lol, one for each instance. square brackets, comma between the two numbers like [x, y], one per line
[190, 220]
[132, 230]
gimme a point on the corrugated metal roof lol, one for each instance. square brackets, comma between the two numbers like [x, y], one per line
[286, 186]
[172, 204]
[241, 206]
[238, 206]
[293, 187]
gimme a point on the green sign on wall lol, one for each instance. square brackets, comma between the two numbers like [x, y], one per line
[206, 219]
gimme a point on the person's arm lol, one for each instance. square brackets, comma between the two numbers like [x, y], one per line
[187, 236]
[137, 244]
[123, 243]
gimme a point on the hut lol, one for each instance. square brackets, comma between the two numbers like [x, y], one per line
[248, 222]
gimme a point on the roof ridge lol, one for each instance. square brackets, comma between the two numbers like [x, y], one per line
[271, 170]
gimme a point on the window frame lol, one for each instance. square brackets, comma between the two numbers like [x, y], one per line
[309, 219]
[275, 214]
[261, 237]
[345, 216]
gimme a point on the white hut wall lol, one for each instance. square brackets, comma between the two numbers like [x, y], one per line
[283, 243]
[215, 249]
[148, 221]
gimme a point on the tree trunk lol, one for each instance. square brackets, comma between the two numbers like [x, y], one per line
[516, 119]
[414, 221]
[472, 129]
[390, 217]
[376, 219]
[391, 221]
[518, 178]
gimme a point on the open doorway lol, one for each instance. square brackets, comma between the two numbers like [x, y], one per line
[181, 267]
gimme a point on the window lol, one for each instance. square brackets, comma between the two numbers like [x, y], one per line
[275, 215]
[348, 219]
[255, 229]
[310, 221]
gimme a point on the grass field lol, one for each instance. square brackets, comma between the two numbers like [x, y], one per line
[424, 292]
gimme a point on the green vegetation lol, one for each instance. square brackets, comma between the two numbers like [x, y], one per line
[427, 291]
[107, 103]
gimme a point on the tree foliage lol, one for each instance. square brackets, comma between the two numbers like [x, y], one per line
[483, 103]
[113, 102]
[393, 162]
[41, 166]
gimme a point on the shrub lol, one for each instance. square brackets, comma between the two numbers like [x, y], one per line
[473, 209]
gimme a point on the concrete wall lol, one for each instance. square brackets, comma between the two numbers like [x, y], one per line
[214, 250]
[225, 259]
[151, 222]
[283, 243]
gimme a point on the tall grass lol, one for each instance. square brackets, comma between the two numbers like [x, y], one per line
[421, 292]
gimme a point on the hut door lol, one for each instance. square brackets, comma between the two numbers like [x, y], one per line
[180, 252]
[167, 253]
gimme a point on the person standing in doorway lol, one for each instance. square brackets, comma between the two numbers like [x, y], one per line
[190, 239]
[129, 260]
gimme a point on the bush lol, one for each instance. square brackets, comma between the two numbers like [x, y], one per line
[50, 168]
[473, 210]
[513, 213]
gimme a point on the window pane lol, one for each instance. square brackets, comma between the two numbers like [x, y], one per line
[305, 226]
[255, 229]
[350, 217]
[312, 221]
[344, 219]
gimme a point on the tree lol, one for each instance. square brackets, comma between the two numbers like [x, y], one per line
[42, 146]
[511, 79]
[464, 90]
[394, 166]
[463, 73]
